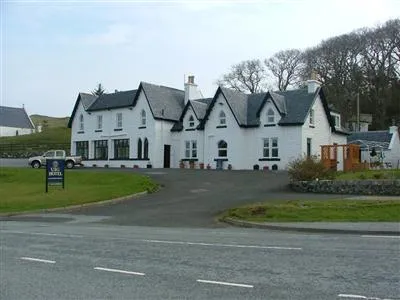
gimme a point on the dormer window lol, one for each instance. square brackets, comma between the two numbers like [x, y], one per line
[312, 119]
[222, 118]
[143, 117]
[191, 121]
[336, 120]
[270, 116]
[81, 123]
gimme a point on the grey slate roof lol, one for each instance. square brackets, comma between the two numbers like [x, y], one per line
[238, 103]
[279, 101]
[200, 106]
[14, 117]
[382, 137]
[298, 103]
[87, 99]
[165, 102]
[114, 100]
[254, 102]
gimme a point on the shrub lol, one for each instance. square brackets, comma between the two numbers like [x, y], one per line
[378, 175]
[309, 168]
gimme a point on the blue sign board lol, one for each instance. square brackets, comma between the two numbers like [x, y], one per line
[54, 172]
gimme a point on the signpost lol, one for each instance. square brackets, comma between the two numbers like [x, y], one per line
[54, 172]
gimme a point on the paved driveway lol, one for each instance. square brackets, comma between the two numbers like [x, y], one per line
[193, 198]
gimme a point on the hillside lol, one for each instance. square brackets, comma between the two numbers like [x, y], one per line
[54, 135]
[49, 121]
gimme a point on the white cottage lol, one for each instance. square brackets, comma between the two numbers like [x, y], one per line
[162, 127]
[15, 121]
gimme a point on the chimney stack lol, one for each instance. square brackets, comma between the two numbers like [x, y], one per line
[191, 90]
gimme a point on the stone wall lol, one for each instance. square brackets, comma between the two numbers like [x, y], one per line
[354, 187]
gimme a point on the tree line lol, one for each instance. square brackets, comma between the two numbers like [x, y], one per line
[363, 63]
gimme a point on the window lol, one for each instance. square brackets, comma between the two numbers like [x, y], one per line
[146, 149]
[312, 117]
[222, 118]
[191, 149]
[60, 153]
[50, 154]
[270, 148]
[143, 117]
[119, 120]
[81, 123]
[222, 149]
[139, 148]
[99, 122]
[191, 121]
[270, 116]
[336, 120]
[82, 149]
[121, 149]
[101, 149]
[308, 147]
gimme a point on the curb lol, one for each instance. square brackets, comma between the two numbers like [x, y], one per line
[72, 207]
[247, 224]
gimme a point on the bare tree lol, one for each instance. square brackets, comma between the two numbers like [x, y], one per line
[247, 76]
[99, 90]
[285, 66]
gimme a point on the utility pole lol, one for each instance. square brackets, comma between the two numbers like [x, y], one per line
[358, 111]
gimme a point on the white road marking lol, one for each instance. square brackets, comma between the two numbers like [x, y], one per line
[119, 271]
[225, 283]
[38, 260]
[361, 297]
[42, 233]
[221, 245]
[382, 236]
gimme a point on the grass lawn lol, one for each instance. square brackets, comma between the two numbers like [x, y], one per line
[23, 189]
[317, 211]
[56, 135]
[370, 174]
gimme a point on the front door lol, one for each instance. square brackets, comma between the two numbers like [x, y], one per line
[167, 156]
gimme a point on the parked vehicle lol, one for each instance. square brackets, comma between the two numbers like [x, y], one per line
[70, 161]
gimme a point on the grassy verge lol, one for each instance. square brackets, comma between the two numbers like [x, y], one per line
[22, 189]
[369, 174]
[318, 211]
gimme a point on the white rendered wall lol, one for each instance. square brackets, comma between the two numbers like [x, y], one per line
[12, 131]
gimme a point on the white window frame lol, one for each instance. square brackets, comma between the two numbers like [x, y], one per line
[119, 120]
[143, 117]
[191, 149]
[312, 116]
[336, 119]
[270, 145]
[222, 118]
[191, 121]
[222, 148]
[81, 123]
[99, 122]
[270, 116]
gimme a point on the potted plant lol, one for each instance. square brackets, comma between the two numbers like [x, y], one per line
[106, 166]
[192, 164]
[149, 166]
[201, 165]
[208, 167]
[265, 168]
[229, 167]
[181, 164]
[135, 166]
[122, 166]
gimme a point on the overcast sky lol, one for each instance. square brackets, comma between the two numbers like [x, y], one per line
[50, 51]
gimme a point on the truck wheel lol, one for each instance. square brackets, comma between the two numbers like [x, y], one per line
[36, 164]
[69, 164]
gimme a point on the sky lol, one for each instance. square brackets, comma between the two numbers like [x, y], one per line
[52, 50]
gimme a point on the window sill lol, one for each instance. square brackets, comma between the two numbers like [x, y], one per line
[121, 158]
[311, 126]
[80, 132]
[269, 159]
[140, 159]
[98, 130]
[117, 129]
[141, 127]
[220, 159]
[269, 125]
[89, 159]
[221, 126]
[190, 159]
[190, 129]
